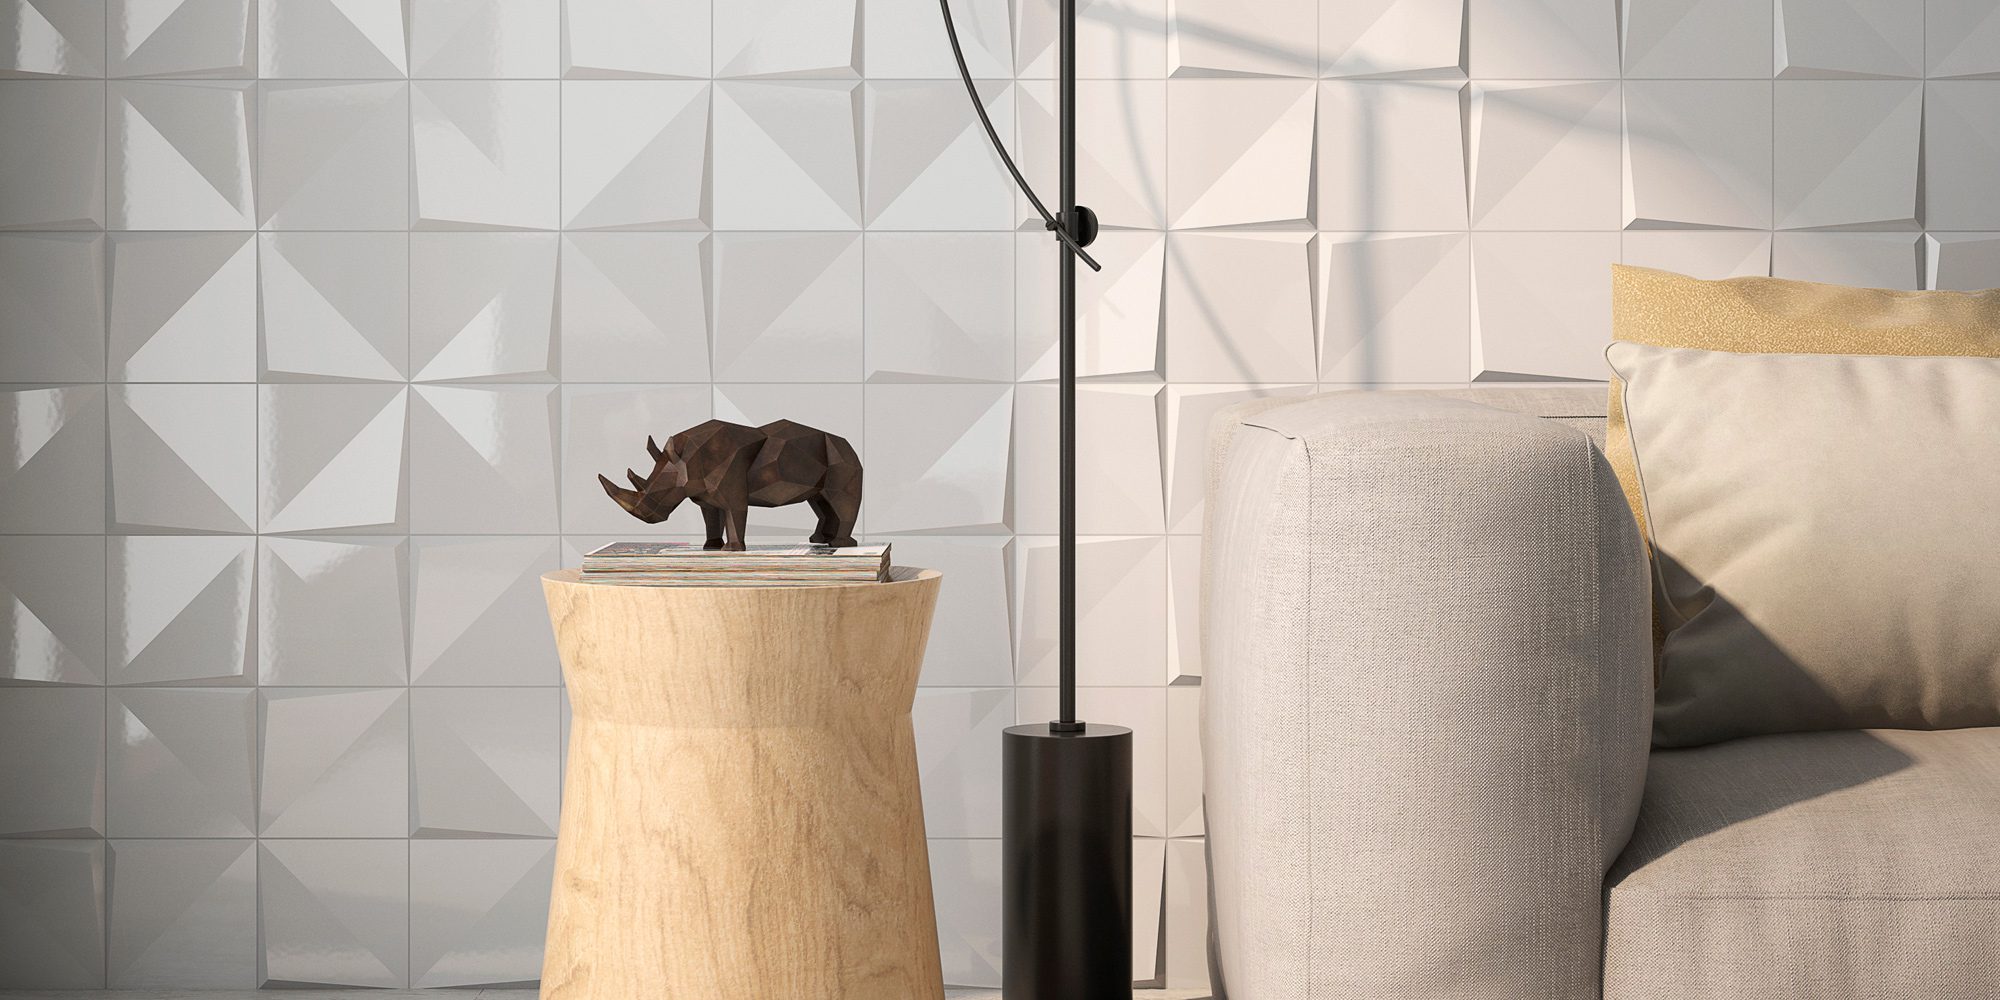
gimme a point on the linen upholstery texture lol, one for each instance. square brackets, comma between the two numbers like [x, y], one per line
[1780, 316]
[1425, 702]
[1830, 866]
[1823, 535]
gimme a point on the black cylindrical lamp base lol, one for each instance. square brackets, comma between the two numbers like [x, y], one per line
[1066, 863]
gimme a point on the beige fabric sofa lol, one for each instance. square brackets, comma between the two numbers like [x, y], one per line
[1426, 708]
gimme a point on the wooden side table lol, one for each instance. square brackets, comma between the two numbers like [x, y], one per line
[741, 818]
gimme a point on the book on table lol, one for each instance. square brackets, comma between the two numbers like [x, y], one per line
[688, 564]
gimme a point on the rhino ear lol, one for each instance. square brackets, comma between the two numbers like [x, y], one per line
[638, 481]
[653, 449]
[626, 498]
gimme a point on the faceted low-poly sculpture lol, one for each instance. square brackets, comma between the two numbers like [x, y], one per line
[728, 468]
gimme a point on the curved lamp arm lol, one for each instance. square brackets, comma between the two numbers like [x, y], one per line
[979, 106]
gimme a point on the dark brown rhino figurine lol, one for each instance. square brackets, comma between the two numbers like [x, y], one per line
[728, 468]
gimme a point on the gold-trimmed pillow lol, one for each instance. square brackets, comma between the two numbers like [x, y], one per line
[1779, 316]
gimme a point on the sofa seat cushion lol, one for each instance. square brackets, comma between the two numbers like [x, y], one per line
[1827, 865]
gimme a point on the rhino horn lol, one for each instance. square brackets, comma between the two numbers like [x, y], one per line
[626, 498]
[653, 449]
[638, 481]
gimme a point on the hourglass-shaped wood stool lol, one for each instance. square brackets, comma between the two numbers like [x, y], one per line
[741, 818]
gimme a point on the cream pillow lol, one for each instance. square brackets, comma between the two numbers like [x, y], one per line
[1827, 538]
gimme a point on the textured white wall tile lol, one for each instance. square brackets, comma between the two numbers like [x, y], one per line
[1544, 304]
[1121, 171]
[635, 306]
[788, 307]
[1184, 818]
[1119, 477]
[183, 913]
[180, 609]
[332, 39]
[1697, 39]
[54, 920]
[1149, 861]
[1119, 309]
[477, 615]
[1115, 39]
[1391, 156]
[620, 38]
[1121, 616]
[1964, 262]
[483, 306]
[965, 883]
[1224, 38]
[940, 306]
[836, 409]
[334, 305]
[1403, 38]
[1239, 152]
[604, 433]
[1963, 38]
[820, 38]
[52, 610]
[493, 444]
[56, 181]
[929, 164]
[1185, 911]
[1545, 156]
[484, 153]
[1847, 153]
[53, 479]
[635, 154]
[181, 155]
[184, 456]
[478, 910]
[1542, 39]
[1239, 307]
[180, 38]
[905, 39]
[1184, 663]
[1698, 153]
[181, 763]
[53, 768]
[334, 155]
[958, 758]
[484, 38]
[1394, 308]
[1962, 154]
[972, 632]
[1142, 710]
[331, 458]
[1850, 38]
[787, 155]
[333, 762]
[52, 307]
[38, 38]
[1712, 255]
[940, 472]
[333, 611]
[1868, 260]
[483, 761]
[183, 307]
[1186, 413]
[334, 912]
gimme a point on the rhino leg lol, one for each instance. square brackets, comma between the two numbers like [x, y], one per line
[712, 518]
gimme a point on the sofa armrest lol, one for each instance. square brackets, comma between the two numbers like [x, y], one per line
[1426, 700]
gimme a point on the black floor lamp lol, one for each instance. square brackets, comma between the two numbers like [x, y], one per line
[1066, 878]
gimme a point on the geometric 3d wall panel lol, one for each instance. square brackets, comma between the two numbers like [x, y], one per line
[183, 914]
[1698, 152]
[1121, 172]
[331, 39]
[1848, 153]
[1186, 412]
[1239, 152]
[334, 913]
[788, 307]
[788, 38]
[334, 306]
[1964, 261]
[1697, 39]
[53, 39]
[180, 763]
[183, 307]
[1239, 307]
[333, 155]
[1119, 309]
[184, 457]
[971, 642]
[333, 457]
[902, 40]
[635, 306]
[1118, 464]
[934, 309]
[52, 306]
[180, 38]
[52, 914]
[334, 762]
[965, 880]
[331, 611]
[1393, 308]
[497, 38]
[1394, 158]
[604, 428]
[485, 762]
[1707, 254]
[478, 910]
[478, 616]
[928, 168]
[1115, 39]
[56, 181]
[1222, 38]
[1853, 38]
[1544, 155]
[1382, 38]
[1543, 304]
[52, 479]
[1963, 38]
[1869, 260]
[180, 609]
[482, 155]
[52, 600]
[937, 473]
[181, 155]
[635, 154]
[786, 154]
[614, 38]
[1543, 39]
[51, 762]
[483, 307]
[483, 459]
[1962, 154]
[1121, 610]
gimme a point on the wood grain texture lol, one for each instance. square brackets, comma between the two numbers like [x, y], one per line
[741, 817]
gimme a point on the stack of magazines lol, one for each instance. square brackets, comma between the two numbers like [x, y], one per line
[684, 564]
